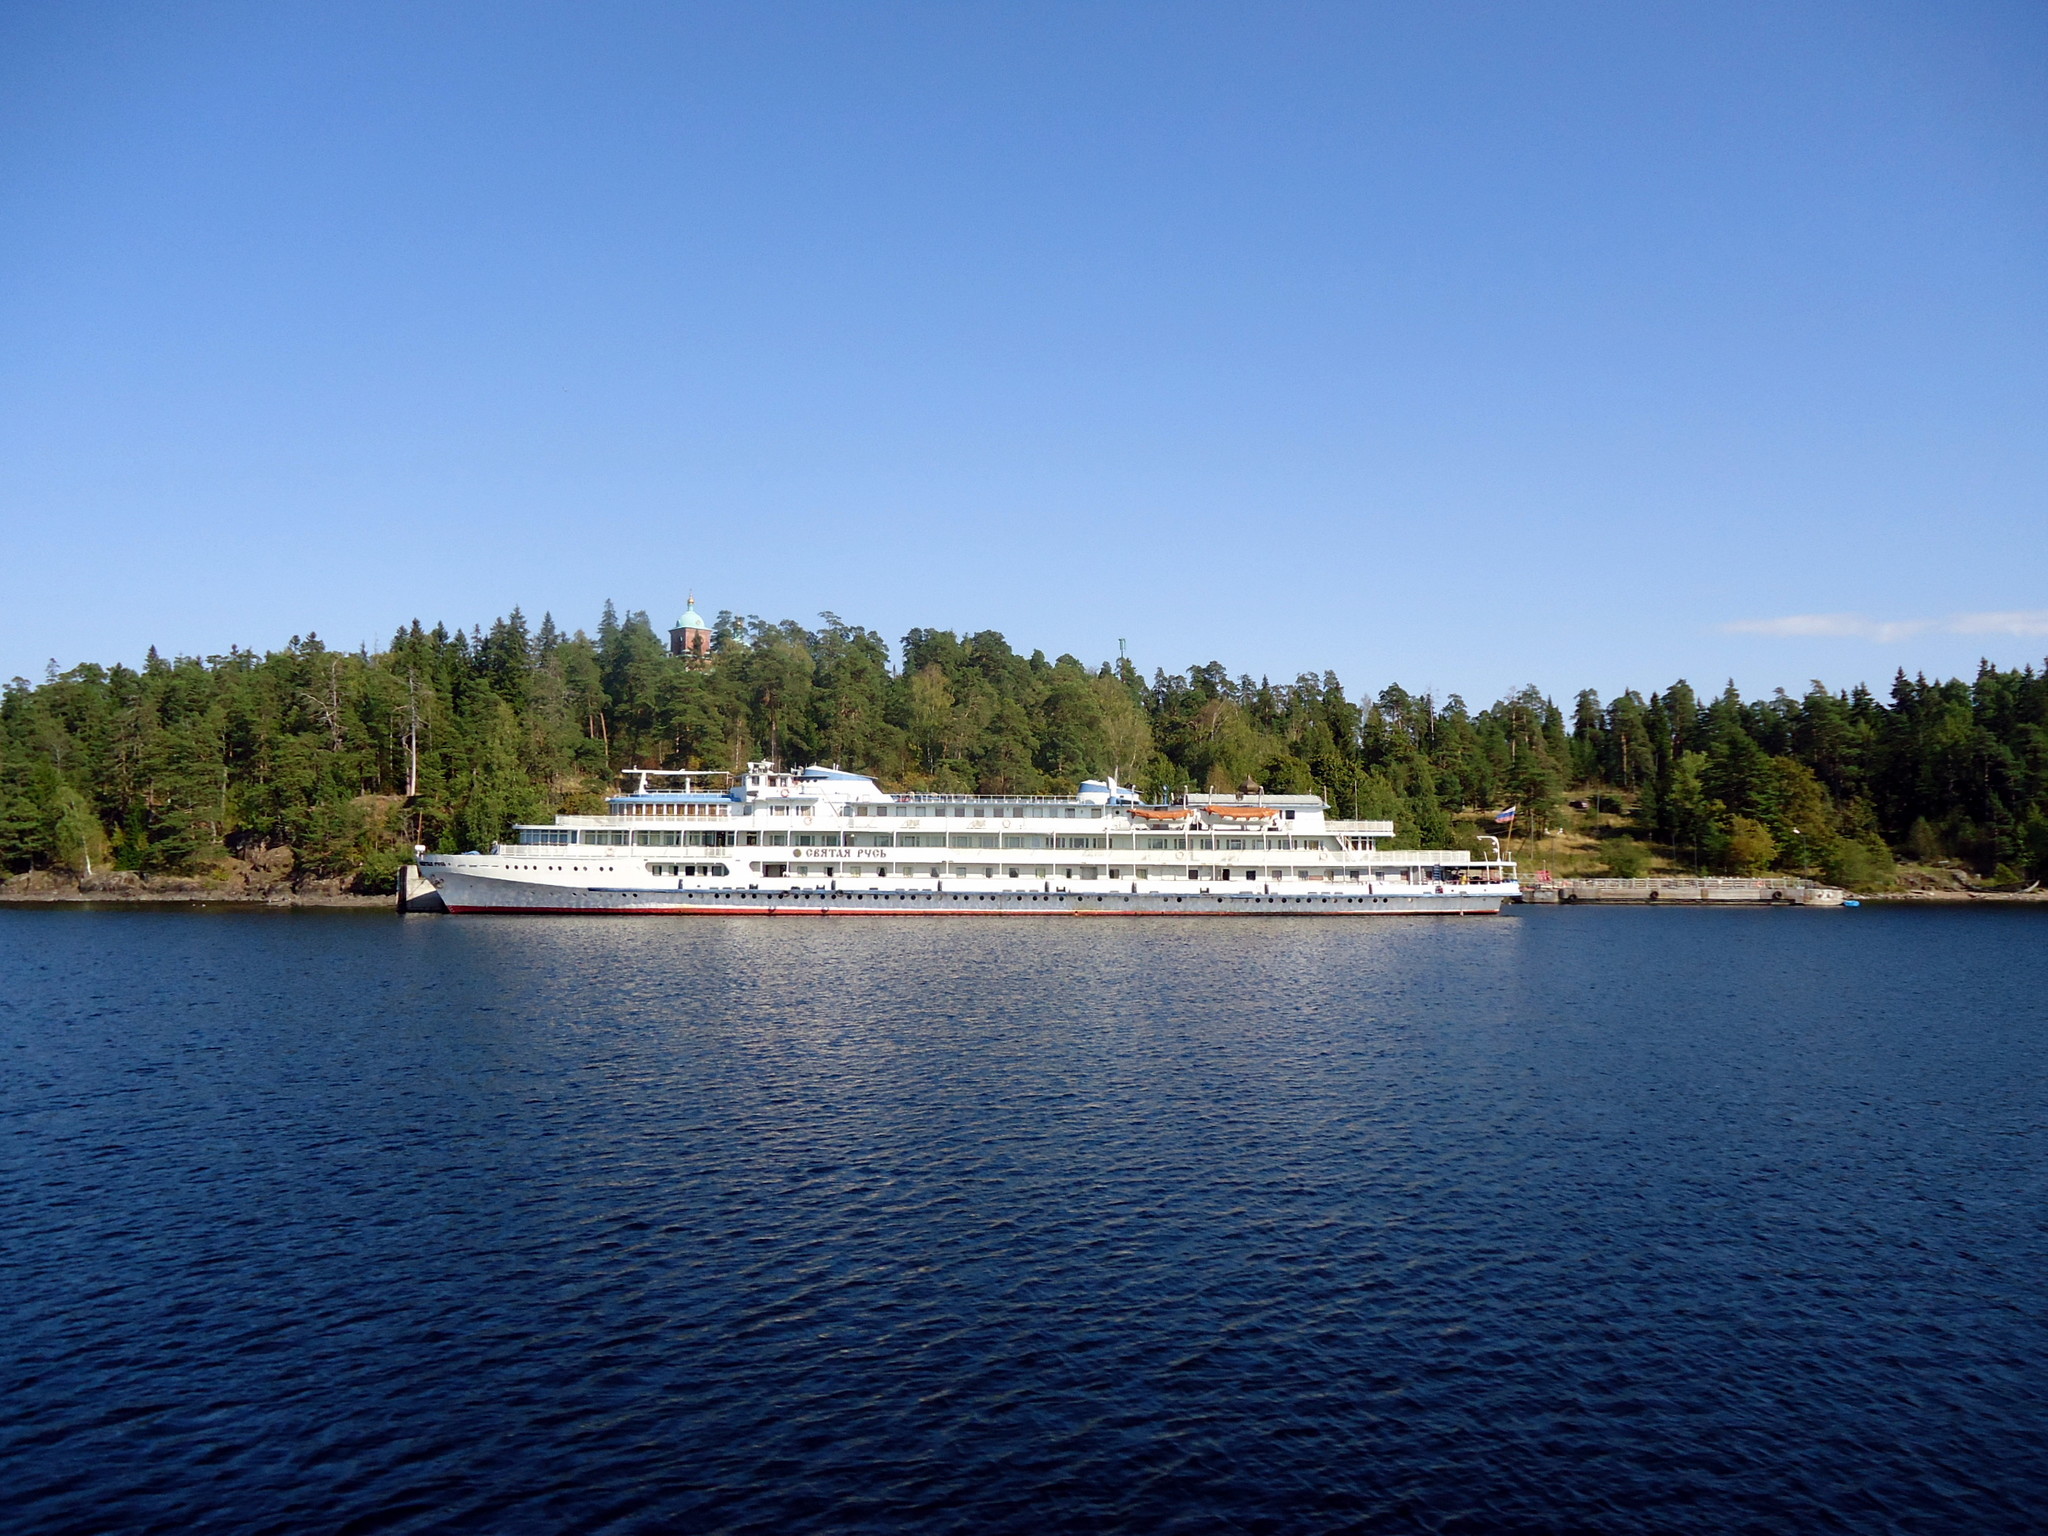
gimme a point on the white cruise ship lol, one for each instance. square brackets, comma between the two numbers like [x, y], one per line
[820, 841]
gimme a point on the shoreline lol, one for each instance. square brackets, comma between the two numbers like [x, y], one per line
[70, 895]
[1953, 898]
[184, 893]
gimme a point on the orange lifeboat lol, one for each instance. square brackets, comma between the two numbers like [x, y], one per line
[1242, 812]
[1161, 813]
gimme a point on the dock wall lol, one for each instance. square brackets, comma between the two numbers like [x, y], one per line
[1709, 890]
[416, 893]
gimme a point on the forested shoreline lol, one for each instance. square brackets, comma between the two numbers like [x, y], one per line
[335, 763]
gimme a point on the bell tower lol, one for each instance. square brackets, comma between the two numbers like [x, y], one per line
[692, 636]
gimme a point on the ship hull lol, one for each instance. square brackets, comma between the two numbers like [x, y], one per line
[488, 894]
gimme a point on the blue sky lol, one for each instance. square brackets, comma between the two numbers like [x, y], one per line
[1459, 346]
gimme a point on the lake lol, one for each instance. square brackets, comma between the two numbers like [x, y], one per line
[1563, 1221]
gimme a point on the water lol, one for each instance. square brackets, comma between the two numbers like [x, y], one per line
[1566, 1221]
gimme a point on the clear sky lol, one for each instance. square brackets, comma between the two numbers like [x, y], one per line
[1454, 345]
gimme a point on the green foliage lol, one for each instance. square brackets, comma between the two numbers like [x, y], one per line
[21, 830]
[1689, 815]
[1801, 820]
[77, 841]
[1923, 843]
[1748, 847]
[448, 738]
[1861, 866]
[1625, 858]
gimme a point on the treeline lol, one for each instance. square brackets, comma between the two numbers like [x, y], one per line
[447, 738]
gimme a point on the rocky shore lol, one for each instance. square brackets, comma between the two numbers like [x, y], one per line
[1956, 897]
[243, 885]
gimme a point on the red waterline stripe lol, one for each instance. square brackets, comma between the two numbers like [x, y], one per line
[953, 912]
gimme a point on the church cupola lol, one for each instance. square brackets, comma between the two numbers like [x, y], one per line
[691, 636]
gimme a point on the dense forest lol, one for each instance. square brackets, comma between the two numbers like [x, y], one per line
[347, 759]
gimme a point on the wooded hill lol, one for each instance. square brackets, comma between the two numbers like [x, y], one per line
[446, 738]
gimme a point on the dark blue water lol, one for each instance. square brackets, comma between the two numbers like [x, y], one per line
[1567, 1221]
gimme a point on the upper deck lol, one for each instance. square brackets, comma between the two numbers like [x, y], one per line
[835, 795]
[810, 810]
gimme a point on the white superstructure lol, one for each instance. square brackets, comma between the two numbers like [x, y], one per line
[819, 840]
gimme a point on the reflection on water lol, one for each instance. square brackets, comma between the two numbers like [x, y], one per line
[1562, 1221]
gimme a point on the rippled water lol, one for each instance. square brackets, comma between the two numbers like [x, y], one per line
[1564, 1221]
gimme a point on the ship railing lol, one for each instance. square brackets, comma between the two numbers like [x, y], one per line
[949, 799]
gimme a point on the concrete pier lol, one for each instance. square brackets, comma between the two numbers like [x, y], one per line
[1687, 890]
[416, 893]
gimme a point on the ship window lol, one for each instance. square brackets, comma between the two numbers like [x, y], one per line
[551, 836]
[657, 839]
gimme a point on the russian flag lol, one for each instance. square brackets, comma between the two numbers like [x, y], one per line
[1505, 818]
